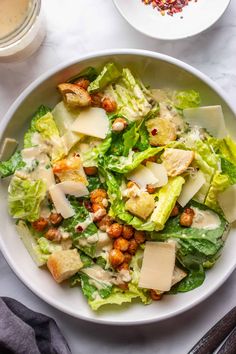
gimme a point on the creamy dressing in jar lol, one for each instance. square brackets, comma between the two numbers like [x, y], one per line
[22, 29]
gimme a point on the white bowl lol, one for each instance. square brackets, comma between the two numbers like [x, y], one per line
[159, 71]
[195, 18]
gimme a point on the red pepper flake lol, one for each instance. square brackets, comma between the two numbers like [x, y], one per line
[154, 132]
[79, 229]
[170, 7]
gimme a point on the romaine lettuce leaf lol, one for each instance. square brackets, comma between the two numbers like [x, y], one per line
[167, 197]
[193, 280]
[109, 74]
[208, 173]
[229, 169]
[90, 157]
[117, 208]
[118, 297]
[46, 126]
[219, 183]
[91, 291]
[131, 98]
[123, 164]
[48, 247]
[196, 247]
[89, 73]
[7, 168]
[186, 99]
[41, 111]
[25, 197]
[31, 243]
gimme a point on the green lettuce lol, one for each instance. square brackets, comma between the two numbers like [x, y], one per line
[109, 74]
[30, 243]
[89, 73]
[167, 197]
[118, 297]
[219, 183]
[8, 168]
[208, 173]
[48, 247]
[117, 208]
[193, 280]
[25, 197]
[196, 247]
[91, 288]
[186, 99]
[41, 111]
[46, 126]
[123, 164]
[131, 97]
[90, 158]
[229, 169]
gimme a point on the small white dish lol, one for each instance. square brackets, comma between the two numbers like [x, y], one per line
[194, 19]
[156, 70]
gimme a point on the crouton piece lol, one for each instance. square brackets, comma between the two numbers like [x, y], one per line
[64, 264]
[176, 161]
[178, 275]
[161, 131]
[141, 206]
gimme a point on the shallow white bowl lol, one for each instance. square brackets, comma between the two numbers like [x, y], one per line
[195, 18]
[159, 71]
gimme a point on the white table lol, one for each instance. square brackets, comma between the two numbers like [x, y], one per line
[78, 27]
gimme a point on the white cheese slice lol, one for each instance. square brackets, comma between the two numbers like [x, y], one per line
[93, 122]
[227, 202]
[63, 118]
[69, 139]
[210, 117]
[142, 176]
[78, 189]
[8, 148]
[60, 202]
[191, 187]
[47, 175]
[159, 171]
[158, 266]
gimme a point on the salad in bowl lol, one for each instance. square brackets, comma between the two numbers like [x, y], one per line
[123, 190]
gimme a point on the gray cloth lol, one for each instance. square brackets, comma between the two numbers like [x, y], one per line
[23, 331]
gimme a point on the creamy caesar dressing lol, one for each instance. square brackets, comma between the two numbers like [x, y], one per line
[98, 275]
[205, 219]
[12, 15]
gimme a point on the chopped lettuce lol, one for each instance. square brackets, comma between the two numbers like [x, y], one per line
[89, 73]
[90, 157]
[41, 111]
[92, 288]
[46, 126]
[117, 208]
[25, 197]
[131, 98]
[187, 99]
[48, 247]
[193, 280]
[219, 183]
[125, 164]
[167, 197]
[196, 247]
[8, 168]
[109, 74]
[229, 169]
[30, 243]
[208, 173]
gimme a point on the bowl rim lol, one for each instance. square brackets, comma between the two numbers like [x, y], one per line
[150, 35]
[15, 105]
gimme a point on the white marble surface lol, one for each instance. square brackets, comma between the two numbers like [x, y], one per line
[78, 27]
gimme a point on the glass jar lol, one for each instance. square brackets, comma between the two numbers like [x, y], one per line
[22, 29]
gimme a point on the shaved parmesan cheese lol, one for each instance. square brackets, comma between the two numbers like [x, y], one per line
[63, 118]
[142, 176]
[190, 188]
[8, 148]
[227, 203]
[178, 275]
[69, 139]
[209, 117]
[159, 171]
[47, 175]
[60, 202]
[158, 266]
[93, 122]
[78, 189]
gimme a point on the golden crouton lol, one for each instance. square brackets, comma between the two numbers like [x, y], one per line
[141, 206]
[64, 264]
[176, 161]
[161, 131]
